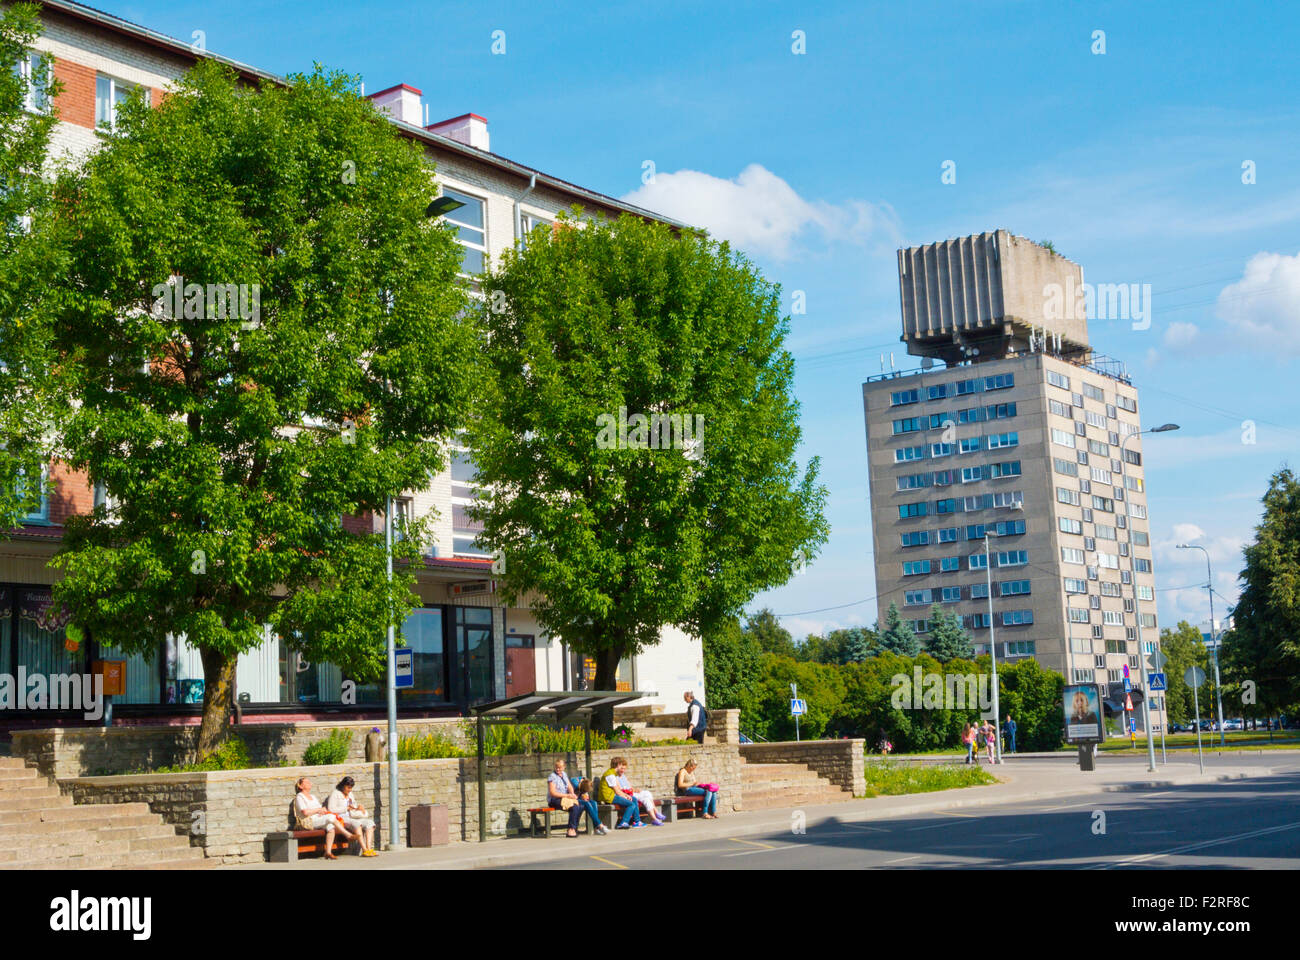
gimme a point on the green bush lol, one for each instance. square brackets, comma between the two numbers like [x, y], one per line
[231, 755]
[887, 777]
[429, 746]
[333, 749]
[508, 739]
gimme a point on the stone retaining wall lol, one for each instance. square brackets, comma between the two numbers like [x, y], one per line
[65, 752]
[839, 761]
[230, 812]
[724, 725]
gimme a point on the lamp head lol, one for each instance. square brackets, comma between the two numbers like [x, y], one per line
[1164, 428]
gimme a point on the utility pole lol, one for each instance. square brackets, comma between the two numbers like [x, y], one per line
[394, 831]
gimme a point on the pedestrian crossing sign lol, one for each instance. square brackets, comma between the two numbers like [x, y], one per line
[1157, 682]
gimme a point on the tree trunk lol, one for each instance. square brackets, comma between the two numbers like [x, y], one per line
[218, 687]
[606, 679]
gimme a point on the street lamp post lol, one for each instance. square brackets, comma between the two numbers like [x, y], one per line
[1209, 585]
[1137, 609]
[394, 836]
[993, 650]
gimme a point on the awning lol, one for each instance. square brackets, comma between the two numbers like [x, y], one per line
[543, 706]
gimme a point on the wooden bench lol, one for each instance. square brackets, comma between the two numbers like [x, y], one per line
[541, 816]
[673, 807]
[285, 847]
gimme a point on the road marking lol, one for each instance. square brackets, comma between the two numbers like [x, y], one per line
[905, 859]
[863, 826]
[946, 813]
[752, 843]
[1189, 847]
[933, 826]
[610, 862]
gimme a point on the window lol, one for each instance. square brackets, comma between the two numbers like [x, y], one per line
[947, 534]
[1007, 528]
[949, 564]
[1076, 399]
[1108, 561]
[1069, 525]
[914, 481]
[912, 598]
[1066, 495]
[920, 626]
[1058, 380]
[1112, 618]
[1078, 616]
[977, 561]
[1103, 503]
[402, 516]
[1137, 510]
[1095, 419]
[1061, 438]
[940, 449]
[1085, 486]
[1089, 544]
[1010, 468]
[1134, 483]
[109, 94]
[1080, 429]
[945, 506]
[965, 387]
[1133, 457]
[1099, 448]
[907, 510]
[977, 621]
[1128, 605]
[1012, 558]
[1115, 646]
[1059, 408]
[937, 421]
[1094, 392]
[1071, 555]
[1073, 585]
[1125, 576]
[1000, 411]
[971, 415]
[1123, 549]
[1098, 631]
[912, 568]
[975, 531]
[464, 488]
[943, 478]
[979, 591]
[905, 454]
[528, 223]
[1126, 403]
[1092, 573]
[938, 392]
[1141, 565]
[1087, 514]
[470, 231]
[907, 425]
[1081, 675]
[1020, 648]
[1100, 475]
[42, 512]
[1067, 467]
[37, 97]
[950, 594]
[1014, 588]
[1081, 457]
[1011, 618]
[1145, 593]
[1109, 589]
[902, 397]
[971, 474]
[1113, 675]
[1000, 382]
[1131, 634]
[916, 538]
[970, 445]
[1000, 440]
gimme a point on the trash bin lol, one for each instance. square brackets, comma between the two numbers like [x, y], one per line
[426, 825]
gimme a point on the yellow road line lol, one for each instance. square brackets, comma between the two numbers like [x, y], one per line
[610, 862]
[752, 843]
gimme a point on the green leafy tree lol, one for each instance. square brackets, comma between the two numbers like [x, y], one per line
[1184, 648]
[948, 639]
[1261, 654]
[30, 407]
[770, 636]
[232, 441]
[897, 636]
[732, 660]
[821, 687]
[620, 525]
[1033, 697]
[860, 644]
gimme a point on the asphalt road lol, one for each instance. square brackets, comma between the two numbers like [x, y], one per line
[1242, 824]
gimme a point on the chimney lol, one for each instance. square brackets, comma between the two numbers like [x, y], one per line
[468, 128]
[401, 102]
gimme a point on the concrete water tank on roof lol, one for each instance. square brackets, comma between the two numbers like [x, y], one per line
[988, 292]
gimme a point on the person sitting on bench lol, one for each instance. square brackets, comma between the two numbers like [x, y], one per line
[341, 803]
[610, 791]
[312, 816]
[688, 787]
[560, 792]
[643, 797]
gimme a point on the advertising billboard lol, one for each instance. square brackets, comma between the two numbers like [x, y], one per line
[1084, 722]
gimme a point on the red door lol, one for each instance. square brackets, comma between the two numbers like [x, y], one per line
[521, 665]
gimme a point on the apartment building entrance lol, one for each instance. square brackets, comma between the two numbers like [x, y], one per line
[521, 665]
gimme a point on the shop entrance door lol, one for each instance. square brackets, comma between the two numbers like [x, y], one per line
[521, 665]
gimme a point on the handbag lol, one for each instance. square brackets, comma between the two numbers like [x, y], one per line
[711, 787]
[567, 803]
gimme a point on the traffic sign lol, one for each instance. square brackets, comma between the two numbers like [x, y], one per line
[1157, 660]
[1126, 671]
[1194, 676]
[798, 707]
[403, 663]
[1127, 685]
[1128, 702]
[1133, 725]
[1157, 681]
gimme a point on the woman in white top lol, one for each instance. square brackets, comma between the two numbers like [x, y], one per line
[342, 803]
[312, 816]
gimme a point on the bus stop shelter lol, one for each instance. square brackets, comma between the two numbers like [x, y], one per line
[553, 708]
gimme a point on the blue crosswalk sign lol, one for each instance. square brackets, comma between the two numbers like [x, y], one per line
[1157, 681]
[798, 707]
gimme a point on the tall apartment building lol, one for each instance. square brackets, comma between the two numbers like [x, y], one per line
[468, 645]
[1024, 433]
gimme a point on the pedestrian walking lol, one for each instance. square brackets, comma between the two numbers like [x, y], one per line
[968, 738]
[990, 739]
[1010, 728]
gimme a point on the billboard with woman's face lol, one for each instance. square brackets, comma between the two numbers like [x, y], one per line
[1083, 716]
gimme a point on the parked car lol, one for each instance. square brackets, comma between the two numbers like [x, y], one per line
[1231, 725]
[1181, 728]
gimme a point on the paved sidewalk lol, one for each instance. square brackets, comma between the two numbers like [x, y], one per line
[1022, 778]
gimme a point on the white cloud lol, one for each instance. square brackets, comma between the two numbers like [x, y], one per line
[1179, 335]
[762, 214]
[1264, 305]
[1185, 532]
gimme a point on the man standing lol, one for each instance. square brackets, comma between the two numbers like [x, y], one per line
[697, 718]
[1009, 728]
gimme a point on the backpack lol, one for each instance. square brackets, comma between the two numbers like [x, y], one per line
[703, 723]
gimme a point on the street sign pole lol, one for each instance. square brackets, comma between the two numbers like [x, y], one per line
[794, 695]
[1194, 676]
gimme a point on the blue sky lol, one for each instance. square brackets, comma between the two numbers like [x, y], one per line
[821, 164]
